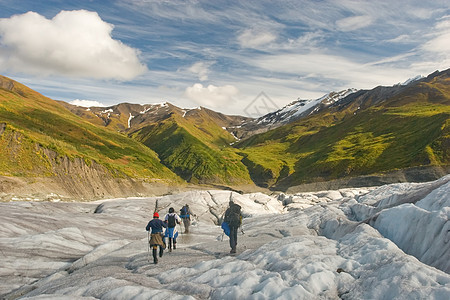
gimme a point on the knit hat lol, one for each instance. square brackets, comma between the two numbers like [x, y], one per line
[156, 215]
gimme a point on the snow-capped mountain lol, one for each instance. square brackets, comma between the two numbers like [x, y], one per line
[413, 79]
[389, 242]
[129, 117]
[300, 108]
[290, 113]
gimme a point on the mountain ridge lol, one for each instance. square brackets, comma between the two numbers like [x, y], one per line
[342, 135]
[372, 131]
[42, 141]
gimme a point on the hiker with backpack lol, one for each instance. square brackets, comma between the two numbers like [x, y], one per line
[156, 225]
[185, 215]
[172, 219]
[233, 219]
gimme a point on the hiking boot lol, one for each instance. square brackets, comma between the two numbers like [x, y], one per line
[174, 246]
[155, 261]
[161, 252]
[233, 251]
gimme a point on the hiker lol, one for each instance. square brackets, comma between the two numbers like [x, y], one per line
[156, 239]
[185, 214]
[172, 219]
[234, 219]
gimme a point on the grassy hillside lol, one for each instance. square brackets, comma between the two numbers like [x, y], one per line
[371, 132]
[33, 124]
[196, 149]
[191, 142]
[411, 129]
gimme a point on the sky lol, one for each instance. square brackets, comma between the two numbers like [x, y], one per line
[218, 54]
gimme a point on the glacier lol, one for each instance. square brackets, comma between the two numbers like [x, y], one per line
[387, 242]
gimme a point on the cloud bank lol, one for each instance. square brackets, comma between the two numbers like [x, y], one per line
[212, 96]
[73, 43]
[86, 103]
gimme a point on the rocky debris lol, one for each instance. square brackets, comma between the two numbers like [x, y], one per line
[307, 199]
[2, 128]
[415, 174]
[6, 83]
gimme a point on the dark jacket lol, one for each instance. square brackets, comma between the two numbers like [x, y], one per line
[233, 215]
[156, 225]
[185, 212]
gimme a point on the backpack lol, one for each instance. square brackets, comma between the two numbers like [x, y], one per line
[233, 215]
[184, 211]
[171, 221]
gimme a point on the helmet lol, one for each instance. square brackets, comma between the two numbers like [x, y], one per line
[155, 215]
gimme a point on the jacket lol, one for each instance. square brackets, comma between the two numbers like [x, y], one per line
[156, 225]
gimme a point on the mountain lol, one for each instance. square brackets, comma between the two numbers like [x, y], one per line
[398, 133]
[127, 117]
[40, 139]
[290, 113]
[367, 132]
[193, 143]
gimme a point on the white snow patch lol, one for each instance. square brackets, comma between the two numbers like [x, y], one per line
[410, 80]
[146, 110]
[129, 120]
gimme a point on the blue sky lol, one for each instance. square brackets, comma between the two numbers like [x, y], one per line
[218, 54]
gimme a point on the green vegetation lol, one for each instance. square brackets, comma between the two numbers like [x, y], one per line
[35, 123]
[410, 129]
[379, 139]
[195, 155]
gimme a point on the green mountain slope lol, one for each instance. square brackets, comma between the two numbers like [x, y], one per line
[409, 129]
[37, 132]
[367, 132]
[195, 147]
[193, 143]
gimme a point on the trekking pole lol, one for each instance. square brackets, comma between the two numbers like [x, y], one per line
[148, 246]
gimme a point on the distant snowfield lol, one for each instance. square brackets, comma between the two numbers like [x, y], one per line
[390, 242]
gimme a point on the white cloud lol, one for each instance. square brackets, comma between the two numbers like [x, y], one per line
[201, 69]
[252, 38]
[212, 96]
[310, 39]
[440, 43]
[334, 69]
[73, 43]
[403, 38]
[86, 103]
[421, 13]
[354, 23]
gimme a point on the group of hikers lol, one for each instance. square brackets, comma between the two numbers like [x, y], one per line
[157, 239]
